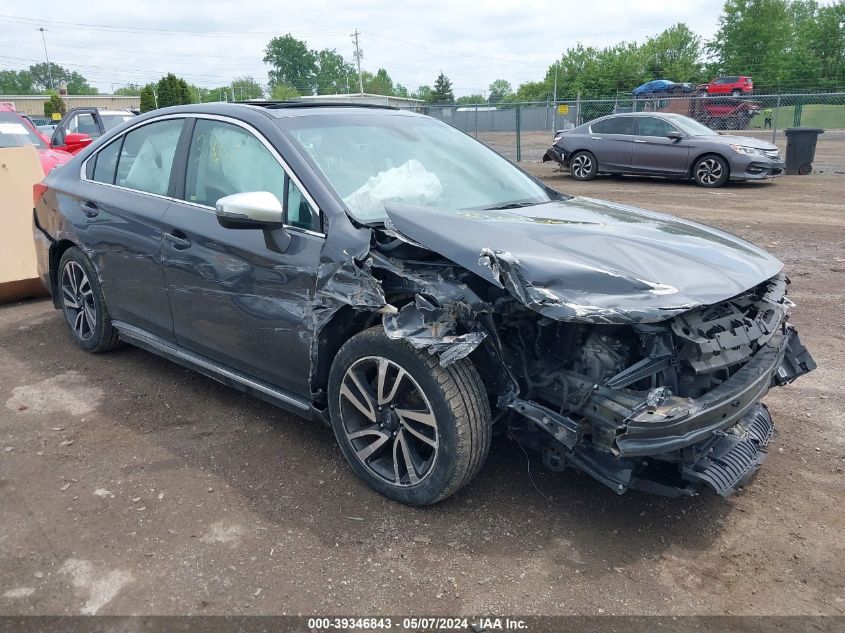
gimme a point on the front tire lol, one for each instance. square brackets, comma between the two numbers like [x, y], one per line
[83, 304]
[711, 171]
[583, 166]
[412, 430]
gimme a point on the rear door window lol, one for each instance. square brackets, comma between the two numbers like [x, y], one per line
[106, 165]
[146, 157]
[618, 125]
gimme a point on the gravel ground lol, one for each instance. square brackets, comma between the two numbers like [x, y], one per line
[129, 485]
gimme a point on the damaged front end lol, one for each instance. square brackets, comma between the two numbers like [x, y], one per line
[661, 407]
[663, 399]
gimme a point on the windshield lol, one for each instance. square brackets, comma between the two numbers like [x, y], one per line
[113, 120]
[15, 133]
[370, 159]
[692, 127]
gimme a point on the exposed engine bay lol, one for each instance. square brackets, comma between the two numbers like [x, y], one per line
[660, 406]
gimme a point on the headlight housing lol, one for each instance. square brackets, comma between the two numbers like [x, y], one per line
[744, 149]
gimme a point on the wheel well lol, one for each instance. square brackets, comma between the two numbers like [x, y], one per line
[347, 322]
[702, 155]
[57, 249]
[343, 325]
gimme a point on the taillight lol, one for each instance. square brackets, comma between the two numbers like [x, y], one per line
[38, 191]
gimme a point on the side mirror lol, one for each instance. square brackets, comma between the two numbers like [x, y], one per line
[675, 135]
[250, 210]
[75, 141]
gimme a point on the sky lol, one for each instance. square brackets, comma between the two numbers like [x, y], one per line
[208, 42]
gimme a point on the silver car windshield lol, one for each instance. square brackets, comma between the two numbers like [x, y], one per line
[372, 159]
[692, 127]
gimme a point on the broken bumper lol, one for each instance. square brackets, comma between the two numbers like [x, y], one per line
[718, 440]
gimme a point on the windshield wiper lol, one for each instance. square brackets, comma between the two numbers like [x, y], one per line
[511, 205]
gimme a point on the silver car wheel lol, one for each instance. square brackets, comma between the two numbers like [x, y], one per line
[709, 171]
[388, 421]
[78, 301]
[582, 166]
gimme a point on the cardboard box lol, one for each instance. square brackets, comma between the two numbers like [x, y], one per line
[20, 169]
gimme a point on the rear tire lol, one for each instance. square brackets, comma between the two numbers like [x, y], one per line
[83, 303]
[410, 429]
[711, 171]
[583, 165]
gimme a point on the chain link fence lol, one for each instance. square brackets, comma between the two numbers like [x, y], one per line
[524, 131]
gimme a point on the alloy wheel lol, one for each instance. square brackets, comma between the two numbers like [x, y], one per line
[709, 171]
[388, 421]
[78, 300]
[582, 166]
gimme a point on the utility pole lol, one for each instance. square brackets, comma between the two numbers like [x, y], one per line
[358, 55]
[554, 99]
[49, 68]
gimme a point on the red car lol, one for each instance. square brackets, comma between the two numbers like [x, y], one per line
[733, 85]
[16, 131]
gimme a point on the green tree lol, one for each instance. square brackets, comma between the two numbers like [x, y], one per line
[247, 88]
[130, 90]
[401, 91]
[54, 104]
[442, 92]
[334, 74]
[378, 84]
[171, 91]
[292, 64]
[283, 92]
[751, 40]
[16, 82]
[674, 54]
[499, 89]
[423, 93]
[148, 98]
[76, 84]
[471, 100]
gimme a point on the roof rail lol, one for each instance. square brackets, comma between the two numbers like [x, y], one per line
[274, 105]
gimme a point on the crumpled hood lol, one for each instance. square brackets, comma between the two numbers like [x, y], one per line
[589, 260]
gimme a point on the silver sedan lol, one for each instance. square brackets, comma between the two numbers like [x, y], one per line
[663, 144]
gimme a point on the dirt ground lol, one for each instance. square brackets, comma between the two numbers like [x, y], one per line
[129, 485]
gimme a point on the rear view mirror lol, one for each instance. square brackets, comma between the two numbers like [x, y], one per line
[75, 141]
[675, 135]
[250, 210]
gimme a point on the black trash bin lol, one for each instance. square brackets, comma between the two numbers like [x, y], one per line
[801, 149]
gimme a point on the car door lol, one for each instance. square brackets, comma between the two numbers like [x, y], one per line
[655, 152]
[612, 141]
[241, 297]
[124, 201]
[79, 121]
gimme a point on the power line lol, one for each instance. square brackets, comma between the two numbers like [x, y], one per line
[168, 31]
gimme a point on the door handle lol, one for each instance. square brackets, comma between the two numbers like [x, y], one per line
[636, 140]
[595, 138]
[178, 240]
[90, 209]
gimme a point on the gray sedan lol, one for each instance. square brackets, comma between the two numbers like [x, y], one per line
[663, 144]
